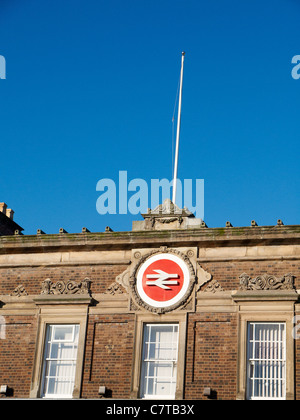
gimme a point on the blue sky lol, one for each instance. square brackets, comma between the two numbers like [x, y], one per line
[90, 89]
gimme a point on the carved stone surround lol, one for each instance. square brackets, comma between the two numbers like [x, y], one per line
[183, 301]
[127, 280]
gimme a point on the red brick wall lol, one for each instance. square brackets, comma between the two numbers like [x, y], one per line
[212, 341]
[109, 353]
[227, 273]
[17, 348]
[211, 356]
[32, 277]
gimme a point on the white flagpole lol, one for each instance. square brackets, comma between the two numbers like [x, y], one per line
[178, 131]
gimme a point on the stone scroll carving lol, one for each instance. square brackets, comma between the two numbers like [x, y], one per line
[214, 287]
[123, 279]
[19, 291]
[114, 289]
[266, 282]
[68, 287]
[203, 277]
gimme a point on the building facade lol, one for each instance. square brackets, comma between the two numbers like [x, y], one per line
[170, 310]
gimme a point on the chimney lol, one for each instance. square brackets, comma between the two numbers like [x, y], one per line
[3, 208]
[10, 213]
[7, 225]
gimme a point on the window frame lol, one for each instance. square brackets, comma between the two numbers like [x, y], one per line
[146, 362]
[47, 359]
[141, 320]
[59, 311]
[264, 316]
[264, 344]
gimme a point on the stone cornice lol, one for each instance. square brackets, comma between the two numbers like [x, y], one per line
[63, 300]
[208, 237]
[265, 295]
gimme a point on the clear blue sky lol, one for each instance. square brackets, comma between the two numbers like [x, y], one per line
[90, 91]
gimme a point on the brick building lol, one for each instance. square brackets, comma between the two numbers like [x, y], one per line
[172, 309]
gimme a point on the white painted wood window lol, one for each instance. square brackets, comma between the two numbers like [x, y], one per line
[159, 361]
[266, 361]
[60, 358]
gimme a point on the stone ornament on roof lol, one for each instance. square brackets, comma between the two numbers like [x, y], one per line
[167, 216]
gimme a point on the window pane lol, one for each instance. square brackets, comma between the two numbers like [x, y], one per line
[63, 333]
[51, 386]
[160, 369]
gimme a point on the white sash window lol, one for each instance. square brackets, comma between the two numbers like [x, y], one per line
[266, 360]
[159, 361]
[60, 358]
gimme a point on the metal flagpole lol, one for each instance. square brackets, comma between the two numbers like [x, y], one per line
[178, 131]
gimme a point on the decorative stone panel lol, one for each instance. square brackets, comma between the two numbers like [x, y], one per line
[68, 287]
[266, 282]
